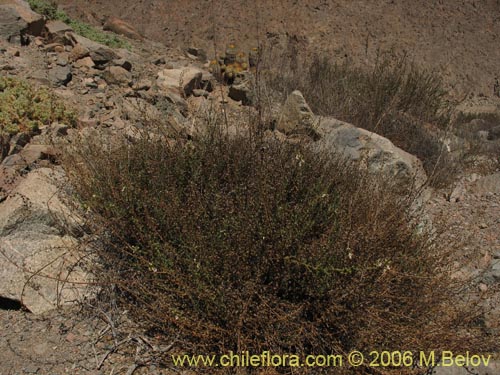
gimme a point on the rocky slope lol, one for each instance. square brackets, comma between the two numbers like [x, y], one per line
[457, 38]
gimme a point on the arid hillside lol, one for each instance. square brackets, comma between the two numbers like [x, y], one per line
[460, 38]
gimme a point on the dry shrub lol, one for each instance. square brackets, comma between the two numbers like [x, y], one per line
[394, 98]
[243, 243]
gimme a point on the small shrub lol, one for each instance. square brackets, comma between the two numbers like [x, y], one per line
[238, 243]
[51, 11]
[24, 108]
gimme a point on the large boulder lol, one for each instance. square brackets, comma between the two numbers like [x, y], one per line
[377, 153]
[38, 263]
[18, 20]
[184, 80]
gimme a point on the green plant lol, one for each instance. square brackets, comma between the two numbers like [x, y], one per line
[51, 11]
[244, 243]
[24, 108]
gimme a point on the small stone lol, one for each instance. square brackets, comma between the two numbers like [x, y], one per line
[160, 61]
[483, 287]
[31, 369]
[125, 64]
[117, 75]
[200, 93]
[483, 226]
[85, 62]
[142, 85]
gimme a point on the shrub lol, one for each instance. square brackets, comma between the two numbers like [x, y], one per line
[51, 12]
[236, 243]
[394, 98]
[24, 108]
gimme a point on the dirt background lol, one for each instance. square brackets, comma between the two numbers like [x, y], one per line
[458, 38]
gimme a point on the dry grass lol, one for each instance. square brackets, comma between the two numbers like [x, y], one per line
[394, 98]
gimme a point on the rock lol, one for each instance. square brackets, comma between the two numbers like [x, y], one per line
[185, 80]
[119, 26]
[18, 20]
[207, 81]
[59, 130]
[494, 133]
[55, 32]
[492, 275]
[28, 156]
[492, 368]
[18, 141]
[200, 93]
[116, 75]
[100, 54]
[458, 193]
[487, 184]
[8, 181]
[79, 52]
[160, 61]
[296, 116]
[125, 64]
[142, 85]
[173, 96]
[377, 153]
[37, 263]
[199, 53]
[86, 63]
[242, 92]
[60, 75]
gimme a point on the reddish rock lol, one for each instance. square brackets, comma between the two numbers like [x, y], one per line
[119, 26]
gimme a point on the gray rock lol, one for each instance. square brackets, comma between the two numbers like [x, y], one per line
[38, 262]
[377, 153]
[492, 368]
[492, 275]
[296, 116]
[200, 93]
[60, 75]
[487, 184]
[18, 20]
